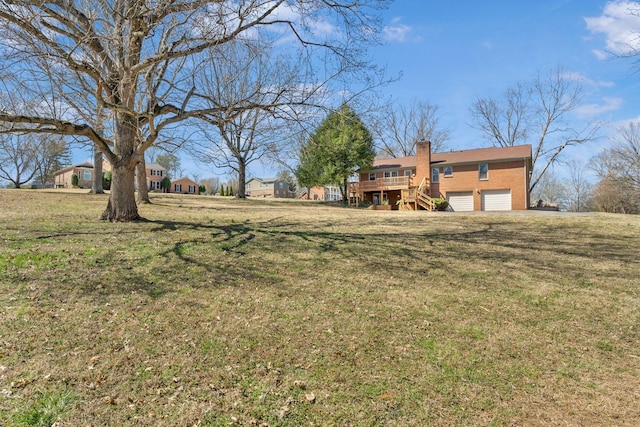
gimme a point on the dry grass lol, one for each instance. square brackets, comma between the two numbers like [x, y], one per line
[222, 312]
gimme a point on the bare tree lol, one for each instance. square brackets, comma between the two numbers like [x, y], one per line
[618, 168]
[537, 112]
[241, 74]
[132, 58]
[579, 188]
[212, 185]
[171, 163]
[51, 154]
[398, 128]
[550, 191]
[18, 157]
[621, 161]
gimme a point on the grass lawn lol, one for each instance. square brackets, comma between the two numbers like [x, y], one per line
[281, 313]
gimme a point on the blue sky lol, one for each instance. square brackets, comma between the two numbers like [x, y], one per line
[451, 52]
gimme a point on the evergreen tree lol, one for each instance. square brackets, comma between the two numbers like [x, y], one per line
[222, 190]
[165, 184]
[339, 147]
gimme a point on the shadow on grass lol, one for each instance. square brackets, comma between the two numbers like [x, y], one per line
[198, 254]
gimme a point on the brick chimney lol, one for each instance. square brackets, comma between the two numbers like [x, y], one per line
[423, 162]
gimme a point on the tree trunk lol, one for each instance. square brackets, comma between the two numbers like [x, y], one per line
[96, 186]
[344, 189]
[141, 180]
[122, 205]
[242, 178]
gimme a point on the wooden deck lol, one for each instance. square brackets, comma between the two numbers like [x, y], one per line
[383, 184]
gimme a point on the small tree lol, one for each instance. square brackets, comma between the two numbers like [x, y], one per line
[222, 190]
[74, 180]
[339, 147]
[202, 189]
[212, 185]
[289, 179]
[165, 184]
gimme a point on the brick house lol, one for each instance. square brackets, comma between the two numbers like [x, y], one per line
[184, 186]
[155, 173]
[268, 187]
[327, 193]
[484, 179]
[84, 172]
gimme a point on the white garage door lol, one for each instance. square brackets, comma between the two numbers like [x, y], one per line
[461, 202]
[496, 200]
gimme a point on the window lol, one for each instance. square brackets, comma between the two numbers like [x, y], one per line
[435, 175]
[483, 171]
[155, 185]
[448, 171]
[87, 175]
[372, 176]
[407, 172]
[177, 188]
[391, 174]
[192, 189]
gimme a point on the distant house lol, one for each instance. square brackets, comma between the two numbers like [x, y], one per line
[184, 186]
[328, 193]
[155, 173]
[485, 179]
[84, 172]
[268, 187]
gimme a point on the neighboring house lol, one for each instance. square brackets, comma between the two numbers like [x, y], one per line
[84, 172]
[184, 186]
[268, 187]
[485, 179]
[328, 193]
[155, 173]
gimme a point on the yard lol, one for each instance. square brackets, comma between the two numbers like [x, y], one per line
[223, 312]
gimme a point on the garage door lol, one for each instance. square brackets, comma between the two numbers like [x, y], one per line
[496, 200]
[461, 202]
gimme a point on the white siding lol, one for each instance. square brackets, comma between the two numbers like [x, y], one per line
[461, 202]
[496, 200]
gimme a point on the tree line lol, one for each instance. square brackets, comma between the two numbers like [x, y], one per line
[238, 82]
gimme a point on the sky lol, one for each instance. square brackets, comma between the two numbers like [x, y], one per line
[452, 52]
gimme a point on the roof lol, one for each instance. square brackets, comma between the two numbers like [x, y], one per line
[265, 180]
[184, 178]
[397, 163]
[154, 166]
[492, 154]
[85, 165]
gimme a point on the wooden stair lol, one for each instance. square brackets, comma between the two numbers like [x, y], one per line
[419, 196]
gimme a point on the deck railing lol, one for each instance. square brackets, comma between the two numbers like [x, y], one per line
[381, 184]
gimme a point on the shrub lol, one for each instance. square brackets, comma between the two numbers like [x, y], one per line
[74, 180]
[165, 184]
[202, 189]
[106, 180]
[440, 204]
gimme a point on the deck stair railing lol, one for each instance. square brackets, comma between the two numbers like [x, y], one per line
[420, 196]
